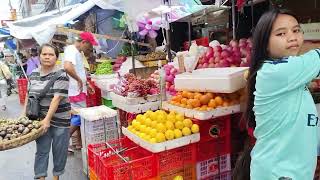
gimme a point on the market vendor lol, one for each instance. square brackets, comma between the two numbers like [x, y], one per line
[280, 108]
[74, 66]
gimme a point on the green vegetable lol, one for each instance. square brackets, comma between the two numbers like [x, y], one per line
[104, 68]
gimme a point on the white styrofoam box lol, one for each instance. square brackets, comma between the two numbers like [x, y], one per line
[159, 147]
[106, 94]
[137, 108]
[100, 137]
[202, 115]
[103, 124]
[136, 100]
[97, 113]
[105, 76]
[210, 167]
[218, 80]
[84, 160]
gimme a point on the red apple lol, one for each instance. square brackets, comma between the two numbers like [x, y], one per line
[217, 59]
[217, 49]
[225, 54]
[217, 54]
[211, 60]
[233, 43]
[211, 65]
[205, 65]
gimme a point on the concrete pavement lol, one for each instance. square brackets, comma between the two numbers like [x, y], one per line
[17, 164]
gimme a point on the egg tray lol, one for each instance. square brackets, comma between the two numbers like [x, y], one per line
[164, 146]
[202, 115]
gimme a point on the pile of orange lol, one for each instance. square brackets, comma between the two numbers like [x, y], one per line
[205, 101]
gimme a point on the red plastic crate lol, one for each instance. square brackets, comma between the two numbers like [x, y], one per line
[22, 89]
[213, 148]
[214, 128]
[204, 41]
[141, 165]
[94, 99]
[95, 149]
[213, 166]
[188, 172]
[176, 158]
[221, 176]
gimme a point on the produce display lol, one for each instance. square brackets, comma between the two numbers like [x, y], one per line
[12, 129]
[160, 126]
[159, 55]
[104, 68]
[171, 73]
[131, 86]
[155, 76]
[119, 61]
[206, 101]
[236, 54]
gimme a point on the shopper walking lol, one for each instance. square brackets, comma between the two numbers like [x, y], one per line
[74, 66]
[280, 107]
[55, 111]
[33, 62]
[5, 76]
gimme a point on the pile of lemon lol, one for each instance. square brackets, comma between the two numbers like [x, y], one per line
[159, 126]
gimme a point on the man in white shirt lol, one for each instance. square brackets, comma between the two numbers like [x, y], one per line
[74, 66]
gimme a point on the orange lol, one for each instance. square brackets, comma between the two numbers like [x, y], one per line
[196, 103]
[189, 102]
[203, 108]
[184, 101]
[178, 97]
[185, 94]
[197, 108]
[210, 95]
[204, 100]
[218, 100]
[189, 106]
[212, 103]
[190, 95]
[183, 105]
[225, 104]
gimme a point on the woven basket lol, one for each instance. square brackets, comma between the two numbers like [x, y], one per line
[22, 140]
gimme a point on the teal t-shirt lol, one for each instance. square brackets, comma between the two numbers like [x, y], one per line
[286, 119]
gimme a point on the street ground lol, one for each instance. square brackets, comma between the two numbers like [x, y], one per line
[17, 164]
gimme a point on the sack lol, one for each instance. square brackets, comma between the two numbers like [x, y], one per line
[33, 107]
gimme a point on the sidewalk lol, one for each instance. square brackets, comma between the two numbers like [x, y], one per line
[17, 164]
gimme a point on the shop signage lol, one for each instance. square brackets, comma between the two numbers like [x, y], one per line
[311, 31]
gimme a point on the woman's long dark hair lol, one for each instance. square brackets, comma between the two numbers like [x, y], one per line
[259, 54]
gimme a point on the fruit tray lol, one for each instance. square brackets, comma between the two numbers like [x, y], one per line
[137, 108]
[202, 115]
[134, 101]
[217, 80]
[159, 147]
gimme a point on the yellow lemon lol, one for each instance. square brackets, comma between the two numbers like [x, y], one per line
[143, 128]
[148, 113]
[160, 137]
[161, 128]
[148, 122]
[142, 135]
[179, 125]
[153, 140]
[138, 118]
[171, 118]
[187, 123]
[148, 129]
[138, 124]
[179, 117]
[130, 127]
[169, 125]
[186, 131]
[153, 116]
[177, 133]
[172, 113]
[161, 118]
[153, 133]
[147, 138]
[154, 124]
[169, 134]
[195, 128]
[134, 123]
[178, 178]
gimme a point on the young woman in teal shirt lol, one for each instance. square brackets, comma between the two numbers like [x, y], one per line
[280, 107]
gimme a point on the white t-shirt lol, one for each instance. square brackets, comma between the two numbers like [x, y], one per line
[72, 54]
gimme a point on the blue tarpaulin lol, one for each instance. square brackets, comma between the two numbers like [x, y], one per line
[4, 31]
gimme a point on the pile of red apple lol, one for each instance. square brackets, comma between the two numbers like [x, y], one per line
[236, 54]
[117, 65]
[171, 73]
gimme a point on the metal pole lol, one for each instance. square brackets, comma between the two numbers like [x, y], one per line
[132, 42]
[233, 19]
[189, 32]
[168, 44]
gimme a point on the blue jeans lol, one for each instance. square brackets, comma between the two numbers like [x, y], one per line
[59, 139]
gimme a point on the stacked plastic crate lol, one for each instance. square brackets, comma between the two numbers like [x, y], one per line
[22, 89]
[98, 125]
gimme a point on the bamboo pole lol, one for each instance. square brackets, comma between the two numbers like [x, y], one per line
[66, 30]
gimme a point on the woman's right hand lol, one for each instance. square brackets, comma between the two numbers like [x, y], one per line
[45, 124]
